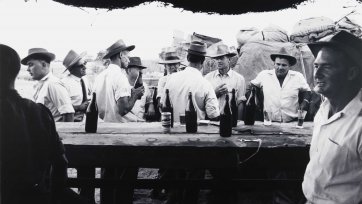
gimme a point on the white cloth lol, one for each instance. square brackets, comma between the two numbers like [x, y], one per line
[160, 85]
[203, 95]
[281, 101]
[50, 92]
[110, 85]
[74, 88]
[334, 172]
[233, 80]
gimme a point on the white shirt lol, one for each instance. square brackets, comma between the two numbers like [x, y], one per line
[74, 88]
[334, 172]
[139, 106]
[110, 85]
[203, 95]
[281, 101]
[161, 84]
[50, 92]
[233, 80]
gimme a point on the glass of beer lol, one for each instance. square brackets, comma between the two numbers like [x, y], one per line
[301, 116]
[182, 118]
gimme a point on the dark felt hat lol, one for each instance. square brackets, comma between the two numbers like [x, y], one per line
[197, 48]
[135, 62]
[342, 40]
[117, 47]
[283, 53]
[38, 52]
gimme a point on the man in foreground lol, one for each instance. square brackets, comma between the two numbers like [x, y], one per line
[31, 150]
[334, 174]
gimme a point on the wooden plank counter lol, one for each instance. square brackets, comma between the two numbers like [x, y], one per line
[254, 150]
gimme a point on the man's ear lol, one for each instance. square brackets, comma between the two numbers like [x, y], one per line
[353, 72]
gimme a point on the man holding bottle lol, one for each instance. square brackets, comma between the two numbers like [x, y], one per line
[225, 79]
[281, 88]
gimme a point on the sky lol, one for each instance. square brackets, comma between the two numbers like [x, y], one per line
[59, 28]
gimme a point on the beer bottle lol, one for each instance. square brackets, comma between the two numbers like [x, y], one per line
[139, 82]
[91, 119]
[234, 109]
[250, 107]
[150, 110]
[226, 120]
[164, 72]
[190, 116]
[168, 106]
[155, 104]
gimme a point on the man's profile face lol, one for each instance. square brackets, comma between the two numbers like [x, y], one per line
[329, 73]
[222, 63]
[37, 69]
[79, 69]
[282, 67]
[133, 72]
[124, 59]
[172, 68]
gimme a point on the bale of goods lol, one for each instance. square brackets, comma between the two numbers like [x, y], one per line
[271, 33]
[245, 34]
[312, 29]
[255, 57]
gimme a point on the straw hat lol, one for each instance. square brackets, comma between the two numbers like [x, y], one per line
[170, 58]
[221, 50]
[72, 58]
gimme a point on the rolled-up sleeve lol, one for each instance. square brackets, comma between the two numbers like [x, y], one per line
[211, 102]
[60, 97]
[121, 87]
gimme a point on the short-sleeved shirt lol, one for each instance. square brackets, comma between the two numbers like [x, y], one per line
[282, 101]
[52, 93]
[334, 172]
[110, 85]
[74, 88]
[139, 106]
[203, 95]
[233, 80]
[29, 146]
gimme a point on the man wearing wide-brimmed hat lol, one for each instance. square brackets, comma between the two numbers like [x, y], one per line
[281, 88]
[49, 90]
[77, 85]
[334, 172]
[172, 64]
[134, 71]
[115, 96]
[191, 80]
[224, 79]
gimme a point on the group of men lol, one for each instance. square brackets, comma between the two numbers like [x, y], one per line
[333, 174]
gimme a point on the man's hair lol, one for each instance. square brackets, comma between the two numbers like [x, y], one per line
[195, 58]
[9, 65]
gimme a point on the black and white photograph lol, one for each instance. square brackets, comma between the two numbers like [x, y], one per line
[181, 102]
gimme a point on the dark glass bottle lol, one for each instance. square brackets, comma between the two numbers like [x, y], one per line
[91, 120]
[155, 104]
[190, 116]
[234, 108]
[168, 106]
[226, 120]
[139, 82]
[250, 108]
[164, 72]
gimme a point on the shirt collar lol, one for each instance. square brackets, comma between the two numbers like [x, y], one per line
[227, 73]
[192, 69]
[74, 77]
[46, 77]
[353, 107]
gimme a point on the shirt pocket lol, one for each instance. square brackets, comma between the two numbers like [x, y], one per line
[334, 156]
